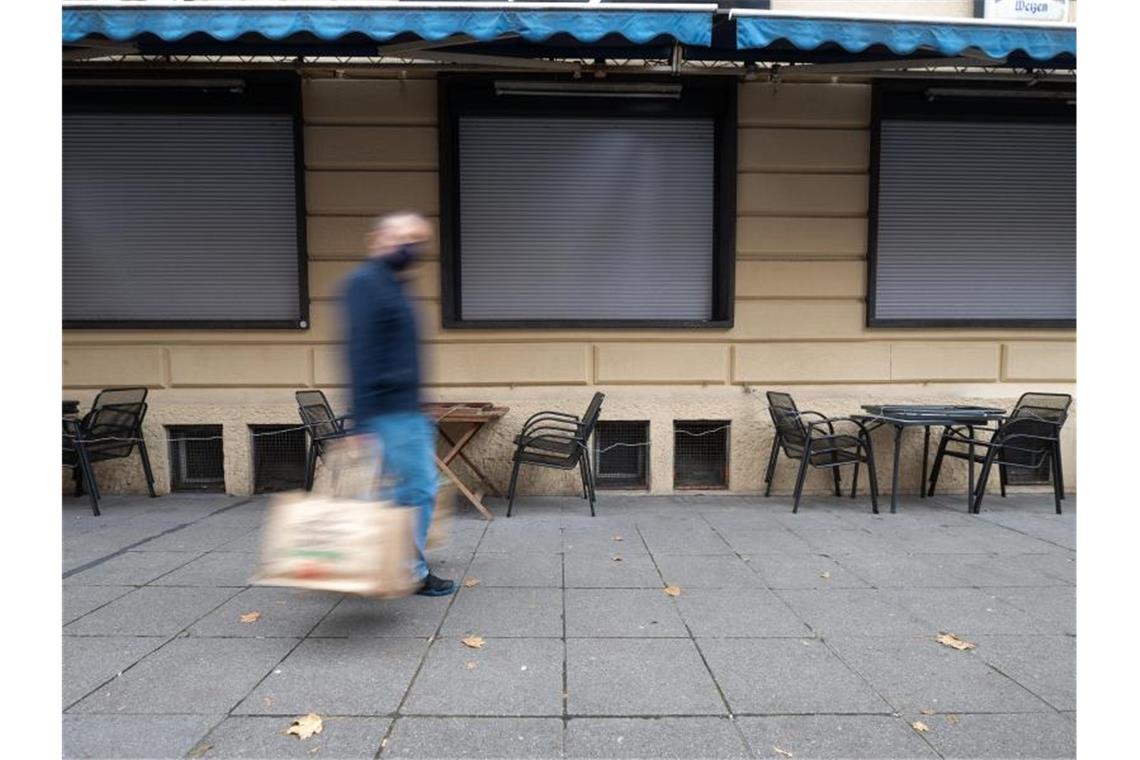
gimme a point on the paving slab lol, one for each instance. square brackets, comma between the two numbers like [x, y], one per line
[131, 569]
[1032, 737]
[219, 569]
[834, 737]
[966, 611]
[357, 676]
[703, 571]
[285, 612]
[840, 542]
[483, 738]
[505, 612]
[153, 737]
[517, 569]
[509, 677]
[201, 537]
[151, 611]
[1045, 665]
[79, 600]
[212, 676]
[593, 569]
[411, 616]
[650, 677]
[791, 571]
[1054, 608]
[637, 613]
[779, 541]
[853, 612]
[522, 535]
[262, 737]
[907, 570]
[915, 674]
[787, 676]
[698, 538]
[738, 612]
[88, 661]
[666, 738]
[602, 540]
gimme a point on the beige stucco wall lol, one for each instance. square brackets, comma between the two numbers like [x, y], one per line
[371, 146]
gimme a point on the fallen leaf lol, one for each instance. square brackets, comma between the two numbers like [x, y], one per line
[783, 752]
[251, 617]
[471, 664]
[952, 641]
[952, 720]
[673, 590]
[617, 558]
[267, 701]
[616, 537]
[927, 712]
[305, 727]
[200, 750]
[920, 727]
[470, 582]
[473, 642]
[825, 574]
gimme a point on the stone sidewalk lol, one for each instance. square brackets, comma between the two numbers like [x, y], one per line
[805, 636]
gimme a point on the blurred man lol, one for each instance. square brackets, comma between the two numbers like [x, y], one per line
[384, 370]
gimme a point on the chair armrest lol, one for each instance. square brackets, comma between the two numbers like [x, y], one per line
[541, 431]
[564, 439]
[830, 422]
[559, 417]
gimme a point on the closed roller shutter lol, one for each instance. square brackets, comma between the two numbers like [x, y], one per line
[179, 217]
[976, 221]
[586, 218]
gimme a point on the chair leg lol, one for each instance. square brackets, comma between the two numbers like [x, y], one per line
[582, 465]
[147, 471]
[88, 473]
[771, 473]
[77, 477]
[855, 480]
[511, 488]
[1058, 484]
[800, 476]
[835, 476]
[590, 482]
[938, 456]
[1058, 468]
[872, 477]
[1001, 478]
[983, 478]
[310, 466]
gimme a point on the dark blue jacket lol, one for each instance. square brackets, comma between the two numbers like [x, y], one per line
[383, 358]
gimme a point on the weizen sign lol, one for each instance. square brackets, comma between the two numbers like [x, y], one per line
[1027, 10]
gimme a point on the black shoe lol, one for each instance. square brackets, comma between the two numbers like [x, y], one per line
[435, 586]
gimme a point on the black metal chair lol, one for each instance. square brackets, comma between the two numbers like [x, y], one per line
[111, 430]
[321, 425]
[1026, 447]
[557, 440]
[806, 441]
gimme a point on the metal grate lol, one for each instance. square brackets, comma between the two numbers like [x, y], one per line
[278, 458]
[700, 453]
[620, 459]
[196, 465]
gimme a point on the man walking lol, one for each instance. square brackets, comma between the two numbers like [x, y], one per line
[384, 371]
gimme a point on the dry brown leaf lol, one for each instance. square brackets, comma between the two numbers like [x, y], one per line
[471, 664]
[470, 582]
[920, 727]
[200, 750]
[952, 641]
[783, 752]
[616, 537]
[927, 712]
[305, 727]
[673, 590]
[473, 642]
[825, 574]
[616, 558]
[952, 720]
[251, 617]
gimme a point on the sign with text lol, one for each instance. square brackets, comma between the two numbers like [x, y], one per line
[1027, 10]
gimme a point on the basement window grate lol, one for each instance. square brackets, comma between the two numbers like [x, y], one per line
[196, 462]
[278, 458]
[621, 454]
[700, 454]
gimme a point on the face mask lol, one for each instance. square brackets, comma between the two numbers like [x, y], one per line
[403, 257]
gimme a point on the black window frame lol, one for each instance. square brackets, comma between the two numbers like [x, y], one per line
[109, 91]
[909, 100]
[474, 95]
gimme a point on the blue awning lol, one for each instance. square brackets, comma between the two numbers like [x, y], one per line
[171, 23]
[906, 37]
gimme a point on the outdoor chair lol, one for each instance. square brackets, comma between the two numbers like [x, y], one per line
[321, 425]
[810, 438]
[557, 440]
[1028, 441]
[111, 430]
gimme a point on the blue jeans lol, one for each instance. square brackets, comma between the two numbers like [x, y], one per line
[407, 441]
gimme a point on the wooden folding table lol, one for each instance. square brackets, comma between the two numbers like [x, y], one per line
[469, 417]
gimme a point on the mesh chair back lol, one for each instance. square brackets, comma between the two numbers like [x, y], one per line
[789, 425]
[113, 423]
[593, 411]
[1033, 425]
[317, 413]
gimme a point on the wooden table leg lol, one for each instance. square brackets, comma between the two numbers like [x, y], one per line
[475, 499]
[478, 473]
